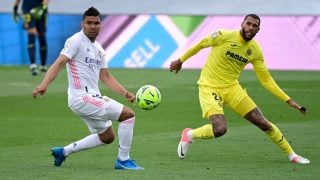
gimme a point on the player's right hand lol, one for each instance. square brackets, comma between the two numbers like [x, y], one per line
[39, 91]
[15, 14]
[176, 65]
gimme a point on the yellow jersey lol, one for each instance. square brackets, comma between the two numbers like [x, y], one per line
[229, 55]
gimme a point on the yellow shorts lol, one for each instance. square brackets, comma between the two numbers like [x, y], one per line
[212, 100]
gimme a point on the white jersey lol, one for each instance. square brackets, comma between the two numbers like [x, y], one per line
[86, 60]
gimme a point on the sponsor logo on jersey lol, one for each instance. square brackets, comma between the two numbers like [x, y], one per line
[93, 61]
[236, 58]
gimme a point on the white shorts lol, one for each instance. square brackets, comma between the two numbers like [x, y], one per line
[96, 112]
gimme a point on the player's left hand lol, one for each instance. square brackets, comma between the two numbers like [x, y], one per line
[130, 96]
[293, 104]
[37, 12]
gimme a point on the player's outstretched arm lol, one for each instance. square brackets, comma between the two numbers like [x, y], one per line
[293, 104]
[107, 78]
[51, 74]
[204, 43]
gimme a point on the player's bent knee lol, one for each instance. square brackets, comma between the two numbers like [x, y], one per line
[220, 131]
[107, 136]
[127, 113]
[219, 125]
[107, 139]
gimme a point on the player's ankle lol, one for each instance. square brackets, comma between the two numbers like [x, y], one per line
[292, 156]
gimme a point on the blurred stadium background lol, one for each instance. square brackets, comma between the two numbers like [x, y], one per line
[148, 34]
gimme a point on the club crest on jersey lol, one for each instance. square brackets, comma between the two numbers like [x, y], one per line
[249, 52]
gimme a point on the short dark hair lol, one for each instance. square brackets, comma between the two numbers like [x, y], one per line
[92, 11]
[254, 16]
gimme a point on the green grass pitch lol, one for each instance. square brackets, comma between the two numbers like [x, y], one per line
[30, 128]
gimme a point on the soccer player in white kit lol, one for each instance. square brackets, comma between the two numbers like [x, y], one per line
[86, 64]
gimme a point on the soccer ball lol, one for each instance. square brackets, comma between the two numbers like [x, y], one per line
[148, 97]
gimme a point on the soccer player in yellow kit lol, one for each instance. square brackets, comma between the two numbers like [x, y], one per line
[219, 86]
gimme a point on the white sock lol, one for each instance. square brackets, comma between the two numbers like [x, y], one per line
[292, 155]
[88, 142]
[33, 66]
[125, 133]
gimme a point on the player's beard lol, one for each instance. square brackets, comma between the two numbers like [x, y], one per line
[246, 36]
[92, 35]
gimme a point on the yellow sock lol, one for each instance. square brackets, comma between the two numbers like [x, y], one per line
[276, 136]
[204, 132]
